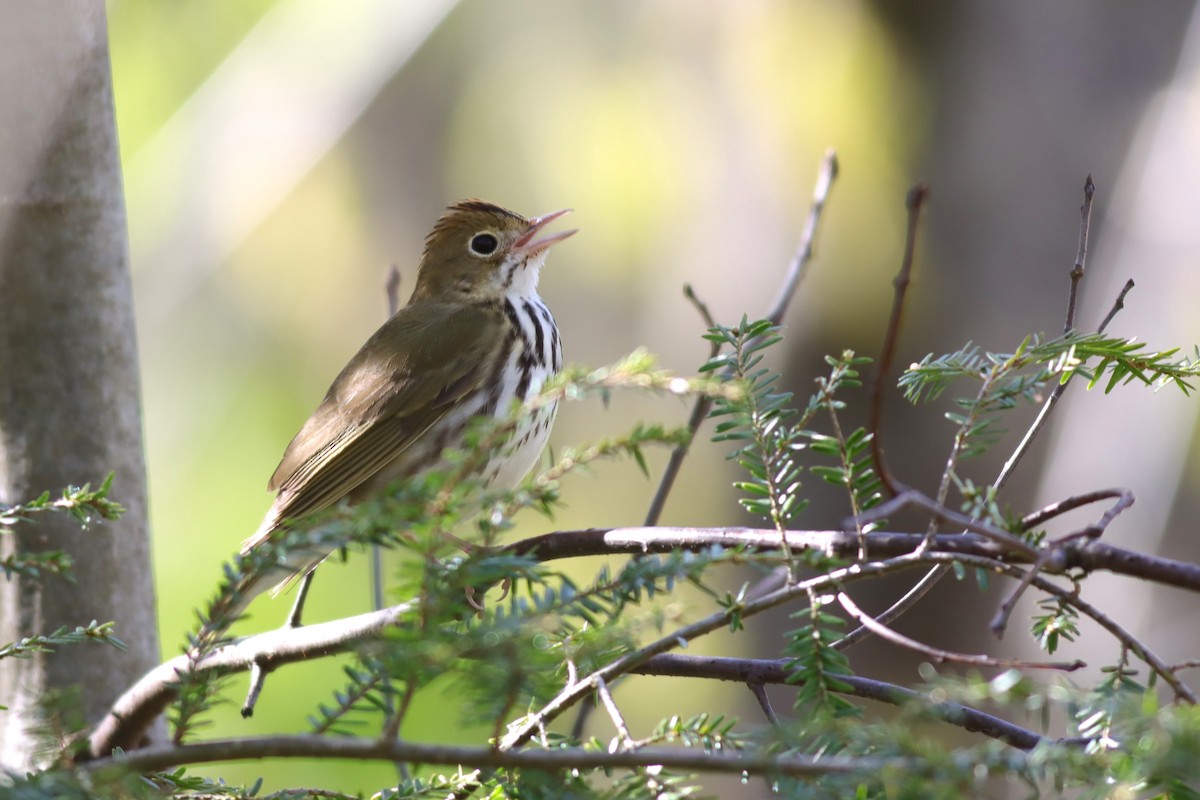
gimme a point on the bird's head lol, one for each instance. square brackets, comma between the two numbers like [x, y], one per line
[480, 251]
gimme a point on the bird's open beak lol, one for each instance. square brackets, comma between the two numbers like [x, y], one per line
[528, 245]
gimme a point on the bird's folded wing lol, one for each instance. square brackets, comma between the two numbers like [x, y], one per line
[412, 372]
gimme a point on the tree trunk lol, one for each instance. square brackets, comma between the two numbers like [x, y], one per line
[69, 392]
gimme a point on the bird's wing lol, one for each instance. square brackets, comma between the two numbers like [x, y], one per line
[411, 372]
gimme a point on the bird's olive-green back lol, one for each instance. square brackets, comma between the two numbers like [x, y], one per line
[416, 368]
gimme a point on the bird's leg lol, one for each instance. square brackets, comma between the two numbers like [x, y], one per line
[258, 675]
[293, 620]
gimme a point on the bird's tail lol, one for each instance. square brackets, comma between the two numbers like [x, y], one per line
[255, 571]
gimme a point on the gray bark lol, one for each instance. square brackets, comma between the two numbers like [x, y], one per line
[69, 391]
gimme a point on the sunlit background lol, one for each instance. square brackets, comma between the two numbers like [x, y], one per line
[281, 156]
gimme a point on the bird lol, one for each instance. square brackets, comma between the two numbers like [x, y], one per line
[474, 338]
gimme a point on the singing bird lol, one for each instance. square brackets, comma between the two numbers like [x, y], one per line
[473, 338]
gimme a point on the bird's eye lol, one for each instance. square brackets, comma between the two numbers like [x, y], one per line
[483, 244]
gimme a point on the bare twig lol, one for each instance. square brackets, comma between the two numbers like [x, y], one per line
[930, 579]
[1124, 500]
[395, 716]
[1128, 640]
[808, 237]
[913, 202]
[1135, 645]
[258, 677]
[702, 309]
[392, 289]
[520, 732]
[699, 413]
[161, 757]
[1087, 555]
[1117, 305]
[614, 713]
[760, 694]
[1077, 271]
[166, 757]
[797, 269]
[1000, 619]
[939, 655]
[911, 497]
[757, 672]
[581, 719]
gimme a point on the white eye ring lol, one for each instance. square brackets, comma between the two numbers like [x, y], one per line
[483, 244]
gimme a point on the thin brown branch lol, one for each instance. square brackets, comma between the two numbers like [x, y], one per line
[1117, 305]
[1077, 271]
[797, 269]
[798, 266]
[614, 713]
[1124, 500]
[1000, 619]
[758, 672]
[1127, 640]
[1135, 645]
[914, 202]
[391, 289]
[760, 694]
[1088, 556]
[395, 714]
[586, 709]
[520, 732]
[705, 315]
[913, 498]
[941, 656]
[930, 579]
[156, 758]
[700, 409]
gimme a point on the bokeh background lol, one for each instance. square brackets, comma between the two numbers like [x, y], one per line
[281, 155]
